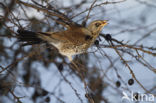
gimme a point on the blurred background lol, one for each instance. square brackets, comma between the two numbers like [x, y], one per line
[123, 58]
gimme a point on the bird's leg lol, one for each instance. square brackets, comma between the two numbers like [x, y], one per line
[70, 58]
[72, 62]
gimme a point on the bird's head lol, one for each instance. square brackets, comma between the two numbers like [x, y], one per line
[96, 26]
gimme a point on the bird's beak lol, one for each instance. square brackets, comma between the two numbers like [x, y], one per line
[105, 22]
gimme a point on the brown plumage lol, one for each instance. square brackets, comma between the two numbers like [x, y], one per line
[74, 40]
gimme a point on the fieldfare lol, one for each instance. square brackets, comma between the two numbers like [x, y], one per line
[75, 40]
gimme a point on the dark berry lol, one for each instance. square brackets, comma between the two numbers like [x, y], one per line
[47, 99]
[96, 42]
[130, 81]
[84, 23]
[118, 84]
[60, 67]
[108, 37]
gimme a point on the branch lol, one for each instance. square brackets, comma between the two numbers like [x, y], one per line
[66, 21]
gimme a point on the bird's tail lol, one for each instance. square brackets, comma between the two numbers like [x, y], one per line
[28, 37]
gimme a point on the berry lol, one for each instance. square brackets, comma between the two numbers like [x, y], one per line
[108, 37]
[60, 67]
[118, 84]
[47, 99]
[130, 81]
[96, 42]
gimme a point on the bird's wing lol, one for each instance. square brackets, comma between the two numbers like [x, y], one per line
[53, 36]
[76, 35]
[79, 35]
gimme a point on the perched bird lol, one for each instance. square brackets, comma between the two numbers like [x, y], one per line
[75, 40]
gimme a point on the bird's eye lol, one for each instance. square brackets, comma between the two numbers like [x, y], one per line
[97, 24]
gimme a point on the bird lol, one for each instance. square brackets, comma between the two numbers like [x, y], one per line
[73, 41]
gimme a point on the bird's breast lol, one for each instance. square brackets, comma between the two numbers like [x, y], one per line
[70, 49]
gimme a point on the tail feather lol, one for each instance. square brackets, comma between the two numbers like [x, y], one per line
[28, 37]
